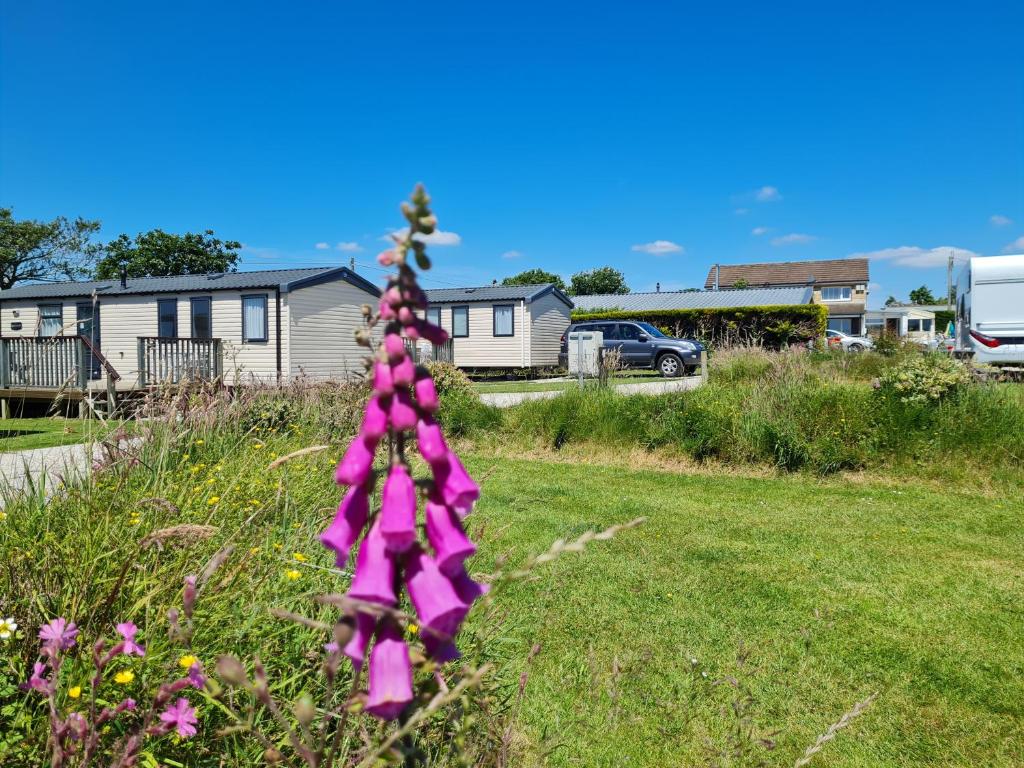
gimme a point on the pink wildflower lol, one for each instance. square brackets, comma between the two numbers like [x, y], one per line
[127, 630]
[398, 510]
[196, 676]
[394, 347]
[375, 572]
[375, 420]
[390, 674]
[59, 634]
[403, 372]
[37, 682]
[343, 531]
[431, 442]
[450, 543]
[456, 486]
[426, 394]
[356, 647]
[433, 596]
[354, 467]
[182, 717]
[382, 382]
[403, 413]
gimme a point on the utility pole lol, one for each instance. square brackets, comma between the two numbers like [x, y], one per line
[949, 281]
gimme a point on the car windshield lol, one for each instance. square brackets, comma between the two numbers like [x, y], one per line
[652, 331]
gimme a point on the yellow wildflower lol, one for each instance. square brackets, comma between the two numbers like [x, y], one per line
[75, 691]
[199, 442]
[258, 446]
[413, 629]
[299, 556]
[186, 661]
[124, 677]
[292, 575]
[213, 500]
[277, 546]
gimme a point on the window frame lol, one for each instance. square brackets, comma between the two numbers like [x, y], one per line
[843, 288]
[59, 318]
[193, 300]
[427, 315]
[266, 318]
[494, 320]
[465, 335]
[159, 318]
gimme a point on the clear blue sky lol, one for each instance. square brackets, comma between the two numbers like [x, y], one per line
[557, 134]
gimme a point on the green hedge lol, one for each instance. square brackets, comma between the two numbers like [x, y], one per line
[944, 317]
[768, 326]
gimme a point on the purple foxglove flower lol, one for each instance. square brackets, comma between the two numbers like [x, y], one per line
[375, 572]
[354, 467]
[355, 648]
[127, 631]
[386, 258]
[182, 717]
[398, 510]
[450, 543]
[349, 521]
[456, 486]
[426, 394]
[433, 596]
[440, 649]
[76, 726]
[390, 674]
[382, 383]
[387, 312]
[392, 296]
[37, 682]
[403, 413]
[188, 596]
[412, 330]
[59, 634]
[406, 316]
[403, 372]
[431, 443]
[394, 347]
[467, 589]
[432, 333]
[375, 418]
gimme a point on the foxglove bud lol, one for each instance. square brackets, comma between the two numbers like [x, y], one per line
[426, 393]
[382, 382]
[403, 413]
[387, 312]
[394, 347]
[432, 333]
[406, 316]
[385, 258]
[393, 296]
[403, 372]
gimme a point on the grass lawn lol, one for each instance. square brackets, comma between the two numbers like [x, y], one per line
[23, 434]
[629, 377]
[797, 597]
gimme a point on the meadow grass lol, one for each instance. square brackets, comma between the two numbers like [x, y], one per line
[46, 432]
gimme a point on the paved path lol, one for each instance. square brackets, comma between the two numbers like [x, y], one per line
[507, 399]
[52, 465]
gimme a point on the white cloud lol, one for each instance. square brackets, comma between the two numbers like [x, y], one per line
[659, 248]
[1000, 221]
[322, 246]
[511, 255]
[915, 256]
[1017, 246]
[349, 247]
[767, 195]
[795, 238]
[758, 231]
[741, 211]
[436, 238]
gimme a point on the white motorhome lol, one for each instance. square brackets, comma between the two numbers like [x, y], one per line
[990, 309]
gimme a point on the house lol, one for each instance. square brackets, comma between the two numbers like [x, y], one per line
[260, 326]
[839, 284]
[667, 300]
[911, 322]
[502, 326]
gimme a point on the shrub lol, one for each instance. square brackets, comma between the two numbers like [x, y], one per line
[450, 380]
[925, 379]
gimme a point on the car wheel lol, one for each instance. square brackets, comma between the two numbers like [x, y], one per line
[670, 365]
[855, 347]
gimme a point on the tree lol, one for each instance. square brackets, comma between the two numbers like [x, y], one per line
[535, 277]
[158, 254]
[892, 301]
[600, 280]
[44, 250]
[741, 283]
[922, 296]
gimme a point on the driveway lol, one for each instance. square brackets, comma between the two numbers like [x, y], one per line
[19, 470]
[507, 399]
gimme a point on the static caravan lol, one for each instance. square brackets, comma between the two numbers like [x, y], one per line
[990, 309]
[502, 326]
[242, 327]
[912, 323]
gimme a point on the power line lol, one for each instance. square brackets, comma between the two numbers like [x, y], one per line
[421, 277]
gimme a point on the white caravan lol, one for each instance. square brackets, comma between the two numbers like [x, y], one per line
[990, 309]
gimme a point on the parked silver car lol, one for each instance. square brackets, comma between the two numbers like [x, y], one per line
[846, 342]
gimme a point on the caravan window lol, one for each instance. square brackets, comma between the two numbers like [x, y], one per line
[460, 322]
[167, 318]
[202, 318]
[254, 318]
[51, 319]
[504, 325]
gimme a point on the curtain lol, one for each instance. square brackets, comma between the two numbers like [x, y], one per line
[254, 318]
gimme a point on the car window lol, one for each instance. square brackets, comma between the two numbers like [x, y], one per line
[628, 332]
[608, 329]
[652, 331]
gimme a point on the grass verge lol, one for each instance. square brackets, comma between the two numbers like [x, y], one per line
[25, 434]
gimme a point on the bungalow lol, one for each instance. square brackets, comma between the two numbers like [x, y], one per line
[912, 322]
[839, 284]
[502, 326]
[246, 327]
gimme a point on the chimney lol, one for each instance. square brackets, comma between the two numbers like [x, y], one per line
[124, 277]
[657, 287]
[718, 274]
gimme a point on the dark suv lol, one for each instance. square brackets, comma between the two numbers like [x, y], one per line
[642, 346]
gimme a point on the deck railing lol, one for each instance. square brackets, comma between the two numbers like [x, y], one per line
[173, 360]
[49, 362]
[423, 352]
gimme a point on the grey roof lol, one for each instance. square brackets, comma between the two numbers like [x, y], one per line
[740, 297]
[527, 293]
[283, 279]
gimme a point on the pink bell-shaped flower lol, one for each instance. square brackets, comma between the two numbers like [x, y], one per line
[374, 579]
[349, 521]
[450, 543]
[430, 442]
[356, 647]
[398, 510]
[403, 372]
[394, 347]
[375, 418]
[437, 604]
[382, 383]
[403, 412]
[390, 674]
[455, 485]
[467, 589]
[354, 467]
[426, 394]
